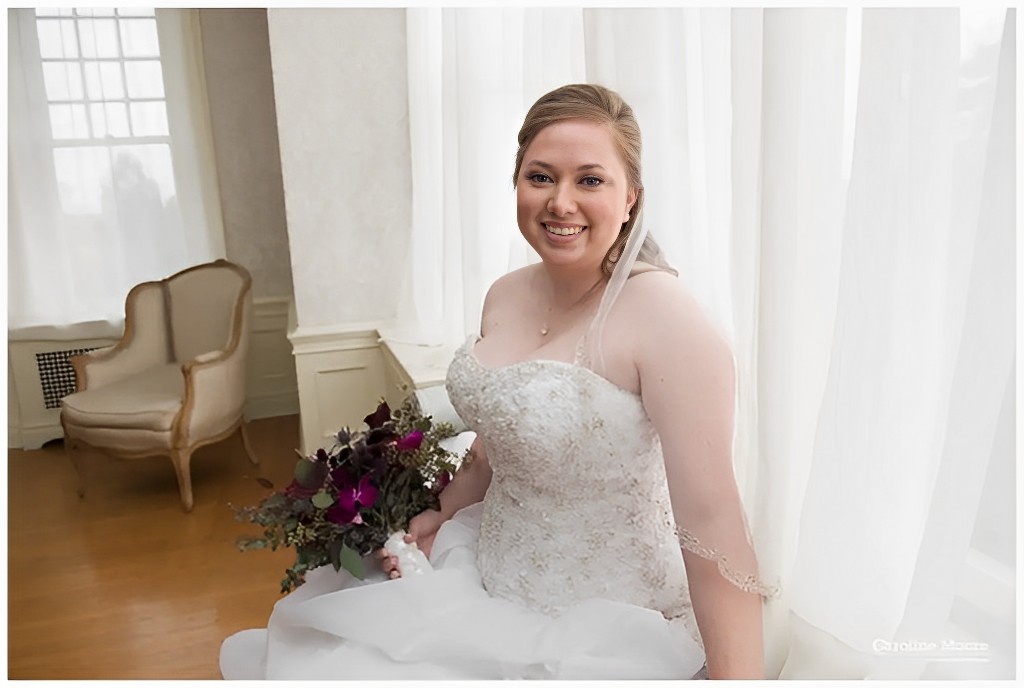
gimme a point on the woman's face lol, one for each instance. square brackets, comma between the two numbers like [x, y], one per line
[572, 194]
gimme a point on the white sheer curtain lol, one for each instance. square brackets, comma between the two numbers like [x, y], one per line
[837, 188]
[110, 174]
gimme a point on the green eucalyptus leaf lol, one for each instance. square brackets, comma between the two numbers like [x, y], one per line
[309, 474]
[275, 500]
[351, 562]
[334, 553]
[322, 499]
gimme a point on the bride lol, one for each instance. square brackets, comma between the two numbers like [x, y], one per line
[596, 530]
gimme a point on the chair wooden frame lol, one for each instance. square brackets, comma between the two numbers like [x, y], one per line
[182, 446]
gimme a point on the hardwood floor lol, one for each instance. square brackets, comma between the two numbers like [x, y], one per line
[123, 584]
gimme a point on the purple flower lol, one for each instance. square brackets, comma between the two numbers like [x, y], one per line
[351, 498]
[410, 442]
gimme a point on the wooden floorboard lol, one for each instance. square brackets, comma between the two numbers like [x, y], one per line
[123, 584]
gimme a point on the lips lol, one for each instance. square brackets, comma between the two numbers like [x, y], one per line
[568, 230]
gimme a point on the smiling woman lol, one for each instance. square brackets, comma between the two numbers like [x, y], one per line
[598, 531]
[572, 209]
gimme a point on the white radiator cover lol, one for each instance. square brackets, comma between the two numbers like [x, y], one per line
[33, 416]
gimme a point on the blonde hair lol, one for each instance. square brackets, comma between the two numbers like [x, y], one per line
[604, 106]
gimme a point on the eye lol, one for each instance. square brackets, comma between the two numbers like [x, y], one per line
[591, 181]
[539, 178]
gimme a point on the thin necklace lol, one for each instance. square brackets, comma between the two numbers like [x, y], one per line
[544, 328]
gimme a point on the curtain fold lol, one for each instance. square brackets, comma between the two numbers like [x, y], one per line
[836, 187]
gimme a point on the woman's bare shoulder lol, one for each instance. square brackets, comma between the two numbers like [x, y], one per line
[507, 292]
[511, 285]
[664, 314]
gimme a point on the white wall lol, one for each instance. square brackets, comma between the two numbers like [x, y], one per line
[342, 114]
[240, 90]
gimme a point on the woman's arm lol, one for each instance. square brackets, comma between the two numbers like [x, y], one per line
[470, 482]
[467, 487]
[688, 390]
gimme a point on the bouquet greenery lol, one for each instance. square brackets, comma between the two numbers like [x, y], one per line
[345, 502]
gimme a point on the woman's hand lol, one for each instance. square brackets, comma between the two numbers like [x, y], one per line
[467, 487]
[422, 531]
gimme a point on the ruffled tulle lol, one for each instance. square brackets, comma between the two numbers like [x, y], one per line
[444, 624]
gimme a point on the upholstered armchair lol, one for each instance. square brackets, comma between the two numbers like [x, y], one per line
[176, 379]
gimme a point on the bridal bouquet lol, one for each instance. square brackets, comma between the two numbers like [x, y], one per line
[346, 502]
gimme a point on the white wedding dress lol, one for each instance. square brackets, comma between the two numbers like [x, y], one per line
[570, 568]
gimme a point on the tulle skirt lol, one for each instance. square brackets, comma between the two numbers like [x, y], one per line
[444, 624]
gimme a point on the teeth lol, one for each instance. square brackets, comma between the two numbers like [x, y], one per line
[565, 231]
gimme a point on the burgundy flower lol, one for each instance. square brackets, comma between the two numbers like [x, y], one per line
[321, 456]
[441, 481]
[379, 417]
[297, 491]
[410, 442]
[351, 498]
[443, 478]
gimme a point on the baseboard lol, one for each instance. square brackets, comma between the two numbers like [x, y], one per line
[271, 405]
[36, 437]
[271, 386]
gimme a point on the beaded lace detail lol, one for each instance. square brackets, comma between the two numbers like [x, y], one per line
[747, 582]
[578, 505]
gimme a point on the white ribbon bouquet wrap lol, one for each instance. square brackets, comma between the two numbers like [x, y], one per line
[411, 560]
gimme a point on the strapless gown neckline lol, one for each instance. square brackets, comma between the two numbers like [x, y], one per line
[568, 569]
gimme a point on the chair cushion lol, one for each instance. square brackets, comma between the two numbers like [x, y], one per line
[145, 401]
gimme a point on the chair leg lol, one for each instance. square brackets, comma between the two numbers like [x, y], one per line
[243, 427]
[70, 451]
[181, 459]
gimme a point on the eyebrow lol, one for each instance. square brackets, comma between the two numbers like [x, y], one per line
[548, 166]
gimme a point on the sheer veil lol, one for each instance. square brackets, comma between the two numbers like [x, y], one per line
[724, 539]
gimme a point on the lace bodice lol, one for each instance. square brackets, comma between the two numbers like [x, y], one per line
[578, 505]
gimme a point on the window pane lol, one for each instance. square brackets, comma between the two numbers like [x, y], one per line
[109, 119]
[63, 80]
[98, 37]
[135, 11]
[53, 11]
[57, 38]
[147, 167]
[68, 122]
[114, 179]
[139, 38]
[103, 80]
[145, 79]
[83, 179]
[149, 119]
[95, 12]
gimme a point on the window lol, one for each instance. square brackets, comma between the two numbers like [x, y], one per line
[106, 105]
[110, 150]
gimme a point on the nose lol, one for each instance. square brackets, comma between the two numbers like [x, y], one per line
[561, 202]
